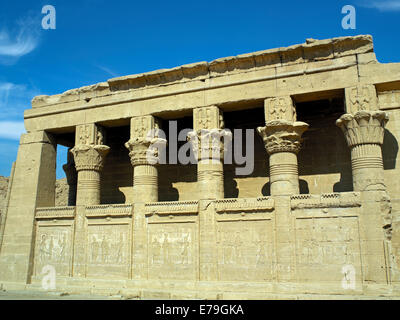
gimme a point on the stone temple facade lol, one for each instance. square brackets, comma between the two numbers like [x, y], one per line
[318, 213]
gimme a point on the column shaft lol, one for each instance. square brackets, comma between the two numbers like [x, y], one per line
[89, 156]
[88, 190]
[145, 183]
[210, 179]
[284, 176]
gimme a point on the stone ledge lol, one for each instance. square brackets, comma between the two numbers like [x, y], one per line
[244, 205]
[55, 213]
[109, 210]
[173, 207]
[327, 200]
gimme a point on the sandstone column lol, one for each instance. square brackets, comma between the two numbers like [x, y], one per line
[144, 150]
[89, 155]
[72, 178]
[33, 187]
[282, 140]
[208, 139]
[364, 126]
[144, 147]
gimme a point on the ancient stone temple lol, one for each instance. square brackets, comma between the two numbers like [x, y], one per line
[317, 125]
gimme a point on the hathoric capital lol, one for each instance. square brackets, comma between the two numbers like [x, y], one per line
[363, 127]
[90, 157]
[209, 143]
[282, 135]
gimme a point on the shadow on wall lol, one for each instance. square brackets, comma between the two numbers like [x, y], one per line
[390, 150]
[303, 185]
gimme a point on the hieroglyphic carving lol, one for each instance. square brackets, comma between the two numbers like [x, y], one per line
[53, 247]
[172, 251]
[280, 108]
[245, 250]
[389, 99]
[324, 245]
[361, 98]
[108, 249]
[89, 134]
[207, 118]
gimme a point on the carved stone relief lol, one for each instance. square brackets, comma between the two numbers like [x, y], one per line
[53, 247]
[172, 251]
[245, 250]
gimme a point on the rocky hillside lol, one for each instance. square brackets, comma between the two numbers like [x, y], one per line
[61, 192]
[3, 192]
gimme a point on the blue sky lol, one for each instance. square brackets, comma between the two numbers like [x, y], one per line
[95, 40]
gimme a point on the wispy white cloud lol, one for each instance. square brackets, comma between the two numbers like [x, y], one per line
[14, 99]
[19, 41]
[11, 130]
[390, 5]
[107, 70]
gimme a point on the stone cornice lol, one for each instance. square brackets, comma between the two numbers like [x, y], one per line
[327, 200]
[55, 213]
[109, 210]
[262, 204]
[313, 50]
[172, 208]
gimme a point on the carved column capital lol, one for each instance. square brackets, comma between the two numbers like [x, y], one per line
[363, 127]
[90, 157]
[209, 143]
[144, 151]
[282, 136]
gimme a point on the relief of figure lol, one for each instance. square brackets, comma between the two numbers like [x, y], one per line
[100, 138]
[165, 249]
[238, 248]
[119, 250]
[279, 109]
[228, 248]
[185, 249]
[95, 249]
[43, 256]
[104, 250]
[155, 251]
[63, 245]
[260, 251]
[51, 249]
